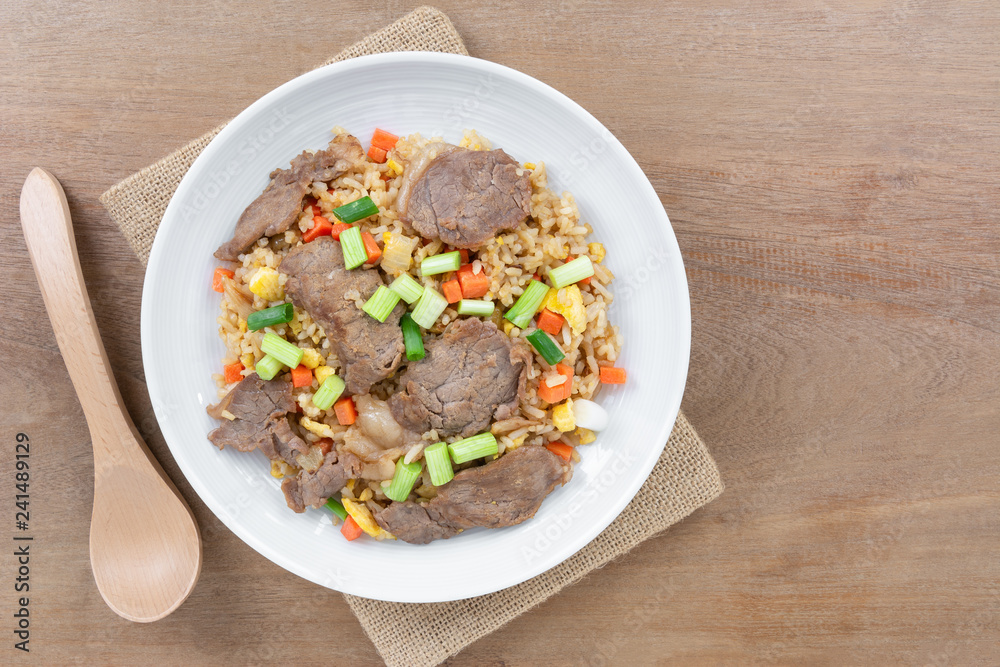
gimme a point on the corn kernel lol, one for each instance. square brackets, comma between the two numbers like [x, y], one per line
[276, 470]
[322, 373]
[529, 165]
[311, 358]
[248, 361]
[266, 285]
[562, 416]
[395, 167]
[585, 435]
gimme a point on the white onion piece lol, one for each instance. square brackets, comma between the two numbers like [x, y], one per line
[589, 415]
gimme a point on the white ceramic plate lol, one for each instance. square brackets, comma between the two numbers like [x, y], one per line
[433, 94]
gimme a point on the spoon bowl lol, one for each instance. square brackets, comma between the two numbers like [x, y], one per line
[145, 548]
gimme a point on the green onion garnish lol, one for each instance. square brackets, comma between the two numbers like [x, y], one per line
[475, 447]
[446, 261]
[381, 303]
[571, 272]
[413, 340]
[438, 464]
[279, 348]
[527, 304]
[338, 508]
[402, 480]
[475, 307]
[429, 307]
[546, 347]
[270, 316]
[356, 210]
[328, 392]
[268, 367]
[408, 289]
[353, 248]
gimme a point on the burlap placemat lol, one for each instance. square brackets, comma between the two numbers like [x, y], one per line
[412, 635]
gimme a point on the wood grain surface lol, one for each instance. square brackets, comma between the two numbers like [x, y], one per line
[830, 169]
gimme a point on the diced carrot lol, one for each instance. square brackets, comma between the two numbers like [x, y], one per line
[325, 445]
[560, 449]
[474, 285]
[550, 322]
[321, 227]
[463, 253]
[338, 229]
[376, 154]
[452, 290]
[345, 411]
[351, 530]
[560, 392]
[234, 372]
[316, 210]
[371, 248]
[585, 281]
[384, 140]
[612, 375]
[301, 376]
[217, 277]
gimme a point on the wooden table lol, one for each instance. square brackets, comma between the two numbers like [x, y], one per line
[831, 173]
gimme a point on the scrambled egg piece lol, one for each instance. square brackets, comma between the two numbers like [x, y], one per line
[280, 469]
[266, 285]
[516, 442]
[597, 250]
[568, 302]
[319, 428]
[322, 373]
[311, 358]
[363, 517]
[562, 416]
[586, 436]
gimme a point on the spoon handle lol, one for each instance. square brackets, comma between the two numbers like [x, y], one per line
[48, 231]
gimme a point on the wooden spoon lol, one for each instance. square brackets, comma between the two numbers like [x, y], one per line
[145, 548]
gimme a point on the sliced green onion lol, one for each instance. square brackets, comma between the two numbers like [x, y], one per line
[270, 316]
[527, 304]
[446, 261]
[475, 447]
[381, 303]
[356, 210]
[328, 392]
[475, 307]
[408, 289]
[413, 340]
[279, 348]
[268, 367]
[338, 508]
[353, 248]
[571, 272]
[438, 464]
[429, 307]
[402, 480]
[546, 347]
